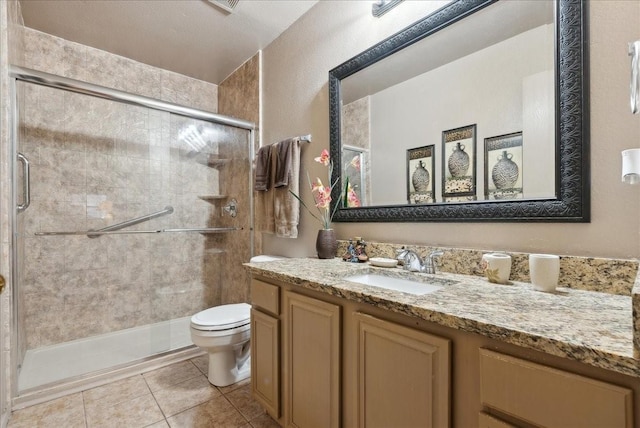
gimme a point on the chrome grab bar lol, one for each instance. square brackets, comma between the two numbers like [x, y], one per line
[95, 233]
[26, 184]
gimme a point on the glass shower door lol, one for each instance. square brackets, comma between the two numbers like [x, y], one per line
[89, 302]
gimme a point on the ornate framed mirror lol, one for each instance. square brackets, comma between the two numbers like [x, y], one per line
[477, 112]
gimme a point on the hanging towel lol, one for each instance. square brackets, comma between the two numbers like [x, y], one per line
[286, 207]
[284, 161]
[263, 169]
[264, 215]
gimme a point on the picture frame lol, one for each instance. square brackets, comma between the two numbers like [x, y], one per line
[421, 175]
[459, 164]
[503, 167]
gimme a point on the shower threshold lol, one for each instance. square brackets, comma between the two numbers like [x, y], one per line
[67, 360]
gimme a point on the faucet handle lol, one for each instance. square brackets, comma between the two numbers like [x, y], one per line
[401, 254]
[435, 254]
[430, 261]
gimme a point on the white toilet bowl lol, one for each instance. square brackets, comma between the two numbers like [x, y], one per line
[224, 332]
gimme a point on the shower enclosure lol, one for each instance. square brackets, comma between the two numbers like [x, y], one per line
[131, 216]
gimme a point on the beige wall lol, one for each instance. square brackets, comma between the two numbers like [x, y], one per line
[295, 101]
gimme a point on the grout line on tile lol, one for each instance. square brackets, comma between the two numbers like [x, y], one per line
[157, 404]
[191, 361]
[84, 410]
[237, 409]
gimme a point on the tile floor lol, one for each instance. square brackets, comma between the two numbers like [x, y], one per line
[176, 396]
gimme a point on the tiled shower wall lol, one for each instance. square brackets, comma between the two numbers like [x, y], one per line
[239, 96]
[97, 162]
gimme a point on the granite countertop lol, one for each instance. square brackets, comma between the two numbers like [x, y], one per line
[590, 327]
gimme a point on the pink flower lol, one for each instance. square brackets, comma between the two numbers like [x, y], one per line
[323, 197]
[355, 162]
[317, 185]
[321, 193]
[352, 197]
[323, 158]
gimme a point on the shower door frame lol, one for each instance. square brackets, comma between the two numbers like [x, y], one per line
[27, 75]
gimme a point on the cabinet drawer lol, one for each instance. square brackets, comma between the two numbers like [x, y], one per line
[265, 296]
[550, 397]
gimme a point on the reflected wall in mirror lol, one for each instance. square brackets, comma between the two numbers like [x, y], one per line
[514, 69]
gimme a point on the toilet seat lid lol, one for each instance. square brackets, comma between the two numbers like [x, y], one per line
[222, 317]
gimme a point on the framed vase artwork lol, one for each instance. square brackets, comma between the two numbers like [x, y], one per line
[459, 164]
[503, 162]
[420, 175]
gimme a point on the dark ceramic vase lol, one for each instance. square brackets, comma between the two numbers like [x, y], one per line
[420, 178]
[505, 173]
[326, 244]
[458, 161]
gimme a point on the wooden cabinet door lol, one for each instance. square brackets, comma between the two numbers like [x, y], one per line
[404, 376]
[265, 361]
[311, 362]
[549, 397]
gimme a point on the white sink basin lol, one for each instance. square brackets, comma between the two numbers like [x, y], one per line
[396, 284]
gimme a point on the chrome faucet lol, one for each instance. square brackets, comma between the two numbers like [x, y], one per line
[414, 263]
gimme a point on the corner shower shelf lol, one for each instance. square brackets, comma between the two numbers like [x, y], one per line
[214, 251]
[213, 198]
[212, 160]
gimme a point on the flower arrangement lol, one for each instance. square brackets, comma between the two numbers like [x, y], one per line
[322, 193]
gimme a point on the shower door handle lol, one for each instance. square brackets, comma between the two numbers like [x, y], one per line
[26, 183]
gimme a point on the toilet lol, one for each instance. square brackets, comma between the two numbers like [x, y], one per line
[225, 332]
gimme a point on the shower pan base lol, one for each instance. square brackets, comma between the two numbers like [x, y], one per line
[51, 364]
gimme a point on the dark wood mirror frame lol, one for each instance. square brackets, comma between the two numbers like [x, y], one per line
[572, 203]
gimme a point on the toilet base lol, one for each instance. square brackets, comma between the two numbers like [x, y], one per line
[223, 369]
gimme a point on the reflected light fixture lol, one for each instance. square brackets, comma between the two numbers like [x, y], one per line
[380, 7]
[631, 157]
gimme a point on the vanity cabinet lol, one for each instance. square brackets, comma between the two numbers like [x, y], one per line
[392, 358]
[265, 361]
[311, 362]
[539, 395]
[321, 360]
[265, 345]
[295, 345]
[394, 375]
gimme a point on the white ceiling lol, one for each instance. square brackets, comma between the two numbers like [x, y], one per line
[190, 37]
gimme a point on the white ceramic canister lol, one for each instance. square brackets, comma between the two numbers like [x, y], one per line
[497, 267]
[544, 270]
